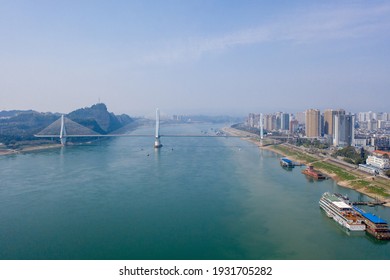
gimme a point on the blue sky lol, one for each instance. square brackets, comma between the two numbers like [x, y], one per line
[209, 57]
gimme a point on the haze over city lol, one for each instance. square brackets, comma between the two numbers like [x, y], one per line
[210, 57]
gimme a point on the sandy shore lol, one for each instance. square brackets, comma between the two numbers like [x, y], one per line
[29, 149]
[346, 184]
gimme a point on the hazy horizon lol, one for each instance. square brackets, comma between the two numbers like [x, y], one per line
[195, 57]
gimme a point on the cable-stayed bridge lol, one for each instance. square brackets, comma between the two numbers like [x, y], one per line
[65, 128]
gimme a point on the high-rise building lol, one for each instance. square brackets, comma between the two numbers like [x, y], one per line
[285, 121]
[313, 123]
[268, 122]
[278, 124]
[329, 120]
[253, 120]
[344, 130]
[301, 117]
[294, 124]
[366, 116]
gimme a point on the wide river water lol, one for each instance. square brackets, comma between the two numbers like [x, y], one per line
[196, 198]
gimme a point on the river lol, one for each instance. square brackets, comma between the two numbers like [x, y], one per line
[195, 198]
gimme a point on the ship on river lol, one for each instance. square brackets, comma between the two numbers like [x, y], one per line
[310, 171]
[337, 209]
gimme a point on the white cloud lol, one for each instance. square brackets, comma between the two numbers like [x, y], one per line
[303, 27]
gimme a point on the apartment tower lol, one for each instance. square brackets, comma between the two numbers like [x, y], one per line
[313, 123]
[329, 120]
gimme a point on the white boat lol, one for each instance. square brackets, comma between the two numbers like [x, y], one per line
[337, 209]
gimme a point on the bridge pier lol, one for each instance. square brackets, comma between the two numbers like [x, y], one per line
[157, 143]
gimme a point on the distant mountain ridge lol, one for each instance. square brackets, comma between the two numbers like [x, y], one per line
[14, 113]
[21, 125]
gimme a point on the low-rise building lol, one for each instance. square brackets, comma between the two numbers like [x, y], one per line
[360, 142]
[368, 168]
[379, 159]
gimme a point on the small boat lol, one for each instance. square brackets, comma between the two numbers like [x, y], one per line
[310, 171]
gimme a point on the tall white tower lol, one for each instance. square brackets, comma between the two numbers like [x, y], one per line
[157, 143]
[63, 131]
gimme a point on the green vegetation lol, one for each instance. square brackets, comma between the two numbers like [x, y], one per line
[340, 173]
[351, 155]
[311, 143]
[372, 186]
[20, 126]
[17, 128]
[298, 155]
[361, 184]
[378, 191]
[98, 118]
[377, 186]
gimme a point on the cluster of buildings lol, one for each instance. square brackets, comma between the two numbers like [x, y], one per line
[336, 127]
[377, 163]
[367, 130]
[276, 122]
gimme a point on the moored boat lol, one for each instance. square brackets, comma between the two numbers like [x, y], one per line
[310, 171]
[375, 226]
[285, 162]
[337, 209]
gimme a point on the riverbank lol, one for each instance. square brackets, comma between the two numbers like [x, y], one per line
[345, 175]
[29, 149]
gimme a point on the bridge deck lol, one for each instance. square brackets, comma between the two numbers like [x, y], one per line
[140, 135]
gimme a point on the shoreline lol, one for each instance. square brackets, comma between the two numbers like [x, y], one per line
[29, 149]
[3, 152]
[343, 183]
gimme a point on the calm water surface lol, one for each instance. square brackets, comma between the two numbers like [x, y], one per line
[196, 198]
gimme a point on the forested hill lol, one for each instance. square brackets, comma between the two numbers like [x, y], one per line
[20, 126]
[99, 119]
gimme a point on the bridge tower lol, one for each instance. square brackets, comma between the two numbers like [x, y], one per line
[157, 142]
[63, 131]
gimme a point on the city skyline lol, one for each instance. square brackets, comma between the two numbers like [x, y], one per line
[206, 57]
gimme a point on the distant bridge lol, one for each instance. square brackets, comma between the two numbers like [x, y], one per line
[65, 126]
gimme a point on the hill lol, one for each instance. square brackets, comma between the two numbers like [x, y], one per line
[22, 125]
[19, 127]
[99, 119]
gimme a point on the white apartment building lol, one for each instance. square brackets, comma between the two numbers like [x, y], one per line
[379, 162]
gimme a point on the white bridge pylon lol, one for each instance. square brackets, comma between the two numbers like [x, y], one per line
[157, 142]
[63, 131]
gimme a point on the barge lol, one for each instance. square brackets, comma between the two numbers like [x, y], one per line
[285, 162]
[375, 226]
[310, 171]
